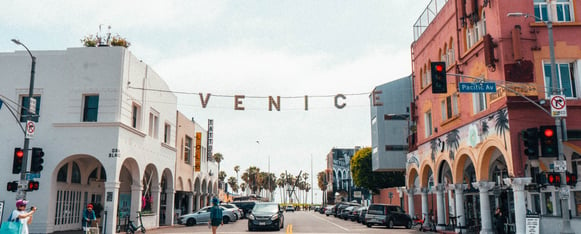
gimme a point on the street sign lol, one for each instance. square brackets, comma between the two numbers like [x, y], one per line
[32, 176]
[32, 106]
[564, 192]
[478, 87]
[560, 166]
[30, 129]
[357, 194]
[532, 225]
[558, 106]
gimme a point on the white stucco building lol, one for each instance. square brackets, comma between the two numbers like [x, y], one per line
[106, 138]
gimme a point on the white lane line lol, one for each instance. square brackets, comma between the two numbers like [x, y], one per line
[339, 226]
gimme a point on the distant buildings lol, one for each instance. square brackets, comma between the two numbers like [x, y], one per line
[340, 179]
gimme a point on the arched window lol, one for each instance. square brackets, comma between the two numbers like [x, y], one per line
[62, 174]
[76, 174]
[451, 56]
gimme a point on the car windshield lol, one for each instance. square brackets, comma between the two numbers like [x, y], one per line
[265, 208]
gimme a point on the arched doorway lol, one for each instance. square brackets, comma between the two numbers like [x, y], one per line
[79, 180]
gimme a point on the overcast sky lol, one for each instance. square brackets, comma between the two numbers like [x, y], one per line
[252, 48]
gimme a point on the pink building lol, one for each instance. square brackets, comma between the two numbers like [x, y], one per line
[468, 147]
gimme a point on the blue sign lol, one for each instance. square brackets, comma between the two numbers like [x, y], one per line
[482, 87]
[32, 176]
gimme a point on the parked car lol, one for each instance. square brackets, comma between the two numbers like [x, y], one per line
[203, 216]
[317, 208]
[234, 209]
[289, 208]
[340, 206]
[345, 213]
[245, 206]
[266, 215]
[362, 213]
[387, 215]
[329, 210]
[323, 210]
[355, 213]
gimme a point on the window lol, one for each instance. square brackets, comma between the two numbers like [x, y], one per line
[62, 174]
[135, 113]
[166, 133]
[469, 38]
[90, 108]
[449, 107]
[562, 10]
[188, 150]
[565, 78]
[428, 121]
[483, 23]
[153, 124]
[451, 57]
[25, 104]
[478, 102]
[76, 174]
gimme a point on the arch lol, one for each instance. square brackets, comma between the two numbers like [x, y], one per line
[487, 149]
[425, 173]
[412, 176]
[210, 187]
[216, 187]
[179, 184]
[463, 155]
[444, 173]
[197, 185]
[204, 186]
[189, 185]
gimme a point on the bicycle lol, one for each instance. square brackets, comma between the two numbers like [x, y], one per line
[131, 228]
[418, 223]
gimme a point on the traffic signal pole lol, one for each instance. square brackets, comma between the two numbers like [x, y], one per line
[23, 182]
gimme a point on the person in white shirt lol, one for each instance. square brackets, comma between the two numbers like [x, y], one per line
[23, 216]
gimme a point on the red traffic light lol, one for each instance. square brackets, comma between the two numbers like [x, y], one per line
[19, 153]
[32, 185]
[439, 67]
[548, 132]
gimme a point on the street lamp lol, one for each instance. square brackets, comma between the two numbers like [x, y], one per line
[555, 90]
[21, 192]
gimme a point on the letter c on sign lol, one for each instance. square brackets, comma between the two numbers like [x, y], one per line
[342, 105]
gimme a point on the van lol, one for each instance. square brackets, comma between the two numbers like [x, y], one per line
[387, 215]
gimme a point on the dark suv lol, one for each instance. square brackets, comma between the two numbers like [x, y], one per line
[245, 206]
[387, 215]
[266, 215]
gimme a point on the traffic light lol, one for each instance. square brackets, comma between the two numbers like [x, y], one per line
[554, 178]
[531, 143]
[438, 70]
[33, 185]
[12, 186]
[571, 179]
[36, 160]
[548, 136]
[17, 162]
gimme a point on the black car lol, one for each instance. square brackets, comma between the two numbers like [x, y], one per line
[245, 206]
[387, 215]
[266, 215]
[362, 213]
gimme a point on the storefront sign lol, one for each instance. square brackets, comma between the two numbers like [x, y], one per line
[532, 226]
[198, 152]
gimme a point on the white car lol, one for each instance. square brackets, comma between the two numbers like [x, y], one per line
[203, 216]
[237, 211]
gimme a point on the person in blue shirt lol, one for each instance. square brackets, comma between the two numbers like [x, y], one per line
[215, 215]
[88, 216]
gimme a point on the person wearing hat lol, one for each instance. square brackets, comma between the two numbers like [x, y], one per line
[215, 215]
[20, 214]
[88, 216]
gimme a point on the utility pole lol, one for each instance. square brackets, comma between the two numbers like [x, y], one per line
[21, 191]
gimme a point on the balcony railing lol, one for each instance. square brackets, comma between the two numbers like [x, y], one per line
[427, 16]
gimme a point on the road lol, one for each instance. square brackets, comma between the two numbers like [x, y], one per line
[295, 222]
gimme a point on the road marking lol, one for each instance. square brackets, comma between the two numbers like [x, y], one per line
[339, 226]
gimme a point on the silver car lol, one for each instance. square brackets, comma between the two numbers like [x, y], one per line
[237, 211]
[203, 216]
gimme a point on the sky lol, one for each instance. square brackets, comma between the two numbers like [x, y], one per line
[254, 48]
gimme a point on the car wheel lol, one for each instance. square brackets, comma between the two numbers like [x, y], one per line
[226, 219]
[327, 215]
[368, 225]
[390, 223]
[191, 222]
[409, 226]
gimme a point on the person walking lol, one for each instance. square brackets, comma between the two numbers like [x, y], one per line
[215, 215]
[499, 221]
[88, 217]
[20, 214]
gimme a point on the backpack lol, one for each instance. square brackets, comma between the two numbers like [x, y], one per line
[216, 213]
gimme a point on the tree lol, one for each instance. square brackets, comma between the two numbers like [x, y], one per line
[363, 176]
[251, 177]
[218, 157]
[280, 184]
[237, 169]
[322, 180]
[233, 182]
[222, 176]
[243, 187]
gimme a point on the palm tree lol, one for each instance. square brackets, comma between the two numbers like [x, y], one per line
[453, 142]
[243, 187]
[434, 148]
[250, 176]
[222, 175]
[484, 128]
[280, 184]
[502, 124]
[237, 169]
[233, 182]
[218, 157]
[307, 189]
